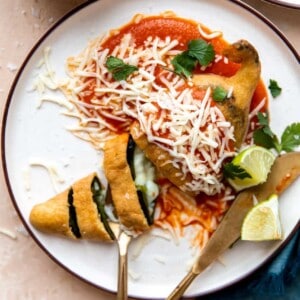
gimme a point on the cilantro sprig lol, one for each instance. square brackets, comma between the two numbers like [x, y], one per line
[274, 88]
[119, 69]
[184, 64]
[265, 137]
[199, 51]
[232, 171]
[203, 52]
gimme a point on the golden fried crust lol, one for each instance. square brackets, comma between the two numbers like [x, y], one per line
[123, 190]
[88, 218]
[53, 216]
[159, 157]
[244, 83]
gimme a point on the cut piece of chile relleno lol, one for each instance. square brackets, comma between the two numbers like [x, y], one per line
[77, 212]
[99, 197]
[140, 190]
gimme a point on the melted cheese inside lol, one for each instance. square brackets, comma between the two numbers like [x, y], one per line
[170, 111]
[145, 177]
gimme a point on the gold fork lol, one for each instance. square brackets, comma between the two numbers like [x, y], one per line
[123, 239]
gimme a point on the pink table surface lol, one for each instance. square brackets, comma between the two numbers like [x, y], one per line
[26, 272]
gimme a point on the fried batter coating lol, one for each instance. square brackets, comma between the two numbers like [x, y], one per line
[123, 190]
[235, 109]
[244, 83]
[53, 216]
[160, 158]
[88, 218]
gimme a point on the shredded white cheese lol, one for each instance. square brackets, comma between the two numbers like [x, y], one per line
[58, 100]
[191, 129]
[26, 179]
[255, 111]
[52, 170]
[8, 233]
[12, 67]
[139, 245]
[134, 275]
[209, 36]
[161, 259]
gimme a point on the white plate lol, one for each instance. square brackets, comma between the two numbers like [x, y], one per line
[287, 3]
[31, 133]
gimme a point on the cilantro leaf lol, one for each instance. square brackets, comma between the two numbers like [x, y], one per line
[291, 137]
[264, 136]
[184, 64]
[262, 139]
[202, 51]
[113, 63]
[199, 51]
[263, 120]
[233, 171]
[219, 94]
[119, 69]
[274, 88]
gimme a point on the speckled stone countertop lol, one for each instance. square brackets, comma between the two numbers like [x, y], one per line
[26, 272]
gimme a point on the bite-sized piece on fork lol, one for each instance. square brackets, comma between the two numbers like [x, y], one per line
[243, 85]
[131, 180]
[123, 190]
[133, 201]
[133, 204]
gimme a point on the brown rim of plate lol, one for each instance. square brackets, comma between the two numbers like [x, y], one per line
[3, 130]
[286, 4]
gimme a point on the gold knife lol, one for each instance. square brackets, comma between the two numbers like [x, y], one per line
[285, 170]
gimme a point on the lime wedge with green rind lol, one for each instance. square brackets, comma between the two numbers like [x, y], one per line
[257, 162]
[263, 221]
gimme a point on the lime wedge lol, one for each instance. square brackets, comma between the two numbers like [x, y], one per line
[257, 162]
[263, 222]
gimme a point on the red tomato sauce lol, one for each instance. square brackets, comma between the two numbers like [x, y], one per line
[184, 30]
[162, 27]
[259, 94]
[180, 211]
[177, 29]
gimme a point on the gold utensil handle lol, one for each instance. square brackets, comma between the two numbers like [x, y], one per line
[285, 170]
[182, 286]
[122, 278]
[123, 242]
